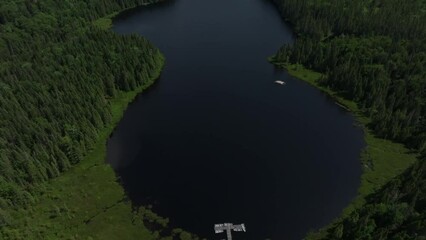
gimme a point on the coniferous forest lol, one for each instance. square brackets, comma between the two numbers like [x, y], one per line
[58, 74]
[374, 53]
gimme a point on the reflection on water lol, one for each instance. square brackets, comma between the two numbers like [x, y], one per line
[216, 140]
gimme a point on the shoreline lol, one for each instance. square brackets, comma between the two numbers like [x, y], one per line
[88, 200]
[375, 172]
[106, 22]
[381, 159]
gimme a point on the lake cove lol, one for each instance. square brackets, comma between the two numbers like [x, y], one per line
[217, 140]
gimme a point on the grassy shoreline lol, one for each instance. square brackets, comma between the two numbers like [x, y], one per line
[105, 23]
[87, 202]
[381, 159]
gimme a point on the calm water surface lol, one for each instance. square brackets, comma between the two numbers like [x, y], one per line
[215, 140]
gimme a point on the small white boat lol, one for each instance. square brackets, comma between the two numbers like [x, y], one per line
[280, 82]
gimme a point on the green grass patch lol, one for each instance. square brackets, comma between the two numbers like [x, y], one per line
[381, 160]
[105, 23]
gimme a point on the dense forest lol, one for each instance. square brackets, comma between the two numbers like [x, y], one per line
[58, 74]
[374, 53]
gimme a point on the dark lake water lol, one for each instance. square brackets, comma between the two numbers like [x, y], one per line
[216, 140]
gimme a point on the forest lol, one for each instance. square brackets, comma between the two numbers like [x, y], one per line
[374, 53]
[397, 211]
[58, 75]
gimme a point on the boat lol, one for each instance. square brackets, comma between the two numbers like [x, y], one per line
[280, 82]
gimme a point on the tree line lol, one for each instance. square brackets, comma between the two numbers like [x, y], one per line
[58, 75]
[396, 211]
[374, 53]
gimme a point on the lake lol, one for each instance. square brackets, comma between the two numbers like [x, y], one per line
[215, 140]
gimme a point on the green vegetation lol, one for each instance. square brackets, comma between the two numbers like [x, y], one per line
[360, 53]
[65, 83]
[105, 23]
[87, 201]
[382, 159]
[365, 53]
[396, 211]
